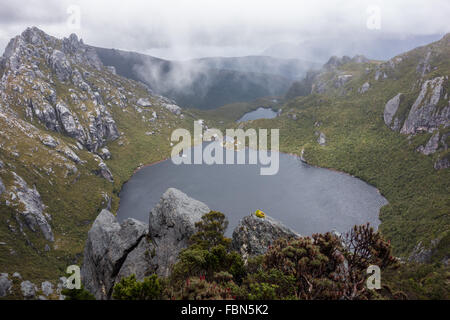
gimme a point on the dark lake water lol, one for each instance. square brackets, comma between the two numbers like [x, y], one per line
[260, 113]
[305, 198]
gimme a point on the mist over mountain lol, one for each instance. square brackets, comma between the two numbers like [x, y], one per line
[208, 83]
[377, 47]
[289, 68]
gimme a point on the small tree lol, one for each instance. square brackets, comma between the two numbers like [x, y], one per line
[209, 252]
[210, 231]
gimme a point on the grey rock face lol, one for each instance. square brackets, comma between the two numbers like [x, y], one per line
[60, 65]
[322, 139]
[254, 235]
[2, 187]
[342, 80]
[173, 108]
[105, 154]
[171, 224]
[141, 261]
[104, 172]
[431, 145]
[107, 247]
[47, 288]
[49, 141]
[422, 254]
[5, 285]
[425, 114]
[69, 122]
[69, 153]
[28, 289]
[391, 109]
[34, 208]
[144, 103]
[424, 65]
[46, 114]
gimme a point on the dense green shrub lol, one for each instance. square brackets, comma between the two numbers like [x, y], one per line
[131, 289]
[77, 294]
[209, 252]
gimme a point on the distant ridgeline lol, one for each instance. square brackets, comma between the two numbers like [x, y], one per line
[208, 83]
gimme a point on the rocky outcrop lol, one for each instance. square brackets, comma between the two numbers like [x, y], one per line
[104, 172]
[322, 139]
[47, 288]
[33, 208]
[171, 224]
[173, 108]
[442, 163]
[106, 249]
[254, 235]
[28, 290]
[364, 88]
[431, 146]
[142, 102]
[64, 59]
[341, 80]
[424, 65]
[422, 253]
[5, 285]
[390, 110]
[425, 114]
[2, 187]
[60, 65]
[114, 250]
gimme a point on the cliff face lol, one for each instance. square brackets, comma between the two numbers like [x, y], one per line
[424, 106]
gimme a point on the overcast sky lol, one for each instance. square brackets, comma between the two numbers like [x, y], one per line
[184, 29]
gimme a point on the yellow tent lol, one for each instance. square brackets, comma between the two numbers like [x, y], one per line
[260, 214]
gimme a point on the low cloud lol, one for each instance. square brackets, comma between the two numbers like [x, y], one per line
[186, 29]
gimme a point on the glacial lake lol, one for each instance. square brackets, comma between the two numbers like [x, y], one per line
[260, 113]
[304, 198]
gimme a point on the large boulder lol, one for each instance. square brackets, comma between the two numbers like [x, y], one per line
[106, 249]
[5, 285]
[254, 235]
[431, 146]
[47, 288]
[28, 289]
[171, 224]
[32, 207]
